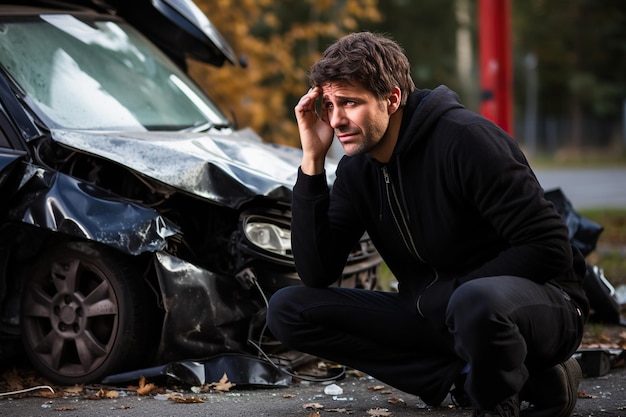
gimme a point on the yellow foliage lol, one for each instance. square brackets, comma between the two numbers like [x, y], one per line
[280, 41]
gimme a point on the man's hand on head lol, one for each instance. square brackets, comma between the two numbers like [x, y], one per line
[316, 134]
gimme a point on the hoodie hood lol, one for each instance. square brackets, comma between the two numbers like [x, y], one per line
[427, 107]
[226, 167]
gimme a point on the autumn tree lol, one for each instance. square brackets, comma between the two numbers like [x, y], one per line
[279, 41]
[580, 48]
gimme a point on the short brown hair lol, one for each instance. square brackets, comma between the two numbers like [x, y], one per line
[373, 60]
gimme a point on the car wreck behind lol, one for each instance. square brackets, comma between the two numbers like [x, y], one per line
[138, 226]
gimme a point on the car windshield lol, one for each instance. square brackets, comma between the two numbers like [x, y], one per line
[101, 75]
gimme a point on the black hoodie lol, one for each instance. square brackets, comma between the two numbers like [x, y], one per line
[456, 201]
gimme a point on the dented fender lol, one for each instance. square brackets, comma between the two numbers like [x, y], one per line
[60, 203]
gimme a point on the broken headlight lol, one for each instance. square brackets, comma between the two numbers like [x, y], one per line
[269, 234]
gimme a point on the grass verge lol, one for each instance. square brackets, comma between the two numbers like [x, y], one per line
[610, 253]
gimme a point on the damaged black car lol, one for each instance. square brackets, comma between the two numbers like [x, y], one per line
[138, 225]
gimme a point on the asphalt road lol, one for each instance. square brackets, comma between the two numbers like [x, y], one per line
[361, 397]
[588, 188]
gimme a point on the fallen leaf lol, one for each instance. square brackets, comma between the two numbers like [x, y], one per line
[583, 394]
[65, 408]
[355, 373]
[12, 380]
[315, 406]
[172, 395]
[379, 412]
[395, 401]
[146, 389]
[222, 385]
[339, 410]
[103, 394]
[187, 400]
[76, 389]
[314, 414]
[289, 395]
[376, 388]
[48, 394]
[112, 394]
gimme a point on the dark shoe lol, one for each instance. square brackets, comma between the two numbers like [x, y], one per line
[554, 391]
[458, 395]
[507, 408]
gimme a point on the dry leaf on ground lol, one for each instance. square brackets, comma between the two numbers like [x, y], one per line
[146, 388]
[49, 394]
[12, 381]
[315, 406]
[103, 394]
[222, 385]
[76, 389]
[379, 412]
[339, 410]
[187, 400]
[583, 394]
[395, 401]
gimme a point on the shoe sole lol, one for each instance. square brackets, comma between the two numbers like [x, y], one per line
[572, 374]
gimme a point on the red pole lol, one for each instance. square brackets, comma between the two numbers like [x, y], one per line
[496, 73]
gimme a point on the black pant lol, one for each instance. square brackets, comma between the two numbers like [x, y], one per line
[503, 327]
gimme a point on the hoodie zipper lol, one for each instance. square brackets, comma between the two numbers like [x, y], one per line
[402, 224]
[399, 217]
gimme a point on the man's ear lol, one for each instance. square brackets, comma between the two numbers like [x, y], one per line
[393, 100]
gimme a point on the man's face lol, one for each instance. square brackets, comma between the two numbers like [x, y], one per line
[359, 119]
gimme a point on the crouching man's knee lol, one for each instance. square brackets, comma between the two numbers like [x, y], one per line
[283, 316]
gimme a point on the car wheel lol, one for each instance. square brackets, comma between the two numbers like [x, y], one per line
[81, 314]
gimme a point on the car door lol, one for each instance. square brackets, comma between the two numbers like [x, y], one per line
[10, 157]
[15, 128]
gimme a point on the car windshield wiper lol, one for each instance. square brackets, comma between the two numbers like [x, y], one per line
[204, 127]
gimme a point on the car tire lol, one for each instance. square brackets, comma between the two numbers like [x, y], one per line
[83, 314]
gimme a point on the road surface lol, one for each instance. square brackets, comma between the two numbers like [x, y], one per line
[588, 188]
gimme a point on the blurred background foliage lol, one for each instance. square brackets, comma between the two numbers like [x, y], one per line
[569, 60]
[279, 42]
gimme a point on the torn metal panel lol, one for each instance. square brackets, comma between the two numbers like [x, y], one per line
[205, 313]
[9, 161]
[583, 233]
[240, 370]
[64, 204]
[226, 167]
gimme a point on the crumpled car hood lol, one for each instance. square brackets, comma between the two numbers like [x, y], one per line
[228, 167]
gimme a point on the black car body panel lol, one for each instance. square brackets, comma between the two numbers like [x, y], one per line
[179, 28]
